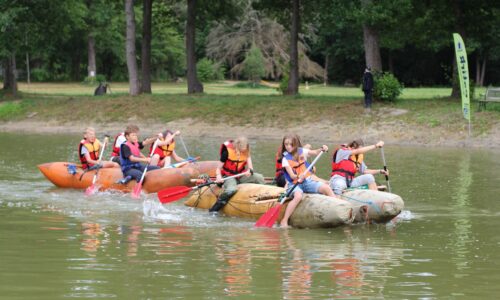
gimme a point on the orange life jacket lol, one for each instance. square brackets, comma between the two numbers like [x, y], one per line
[298, 167]
[165, 150]
[236, 162]
[346, 167]
[93, 149]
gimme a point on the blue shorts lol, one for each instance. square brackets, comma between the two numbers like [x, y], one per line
[307, 186]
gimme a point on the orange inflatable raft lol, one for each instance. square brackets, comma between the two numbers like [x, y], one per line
[69, 175]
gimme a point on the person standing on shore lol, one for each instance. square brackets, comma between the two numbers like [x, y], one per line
[368, 88]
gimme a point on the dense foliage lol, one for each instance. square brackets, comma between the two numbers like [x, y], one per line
[49, 39]
[386, 87]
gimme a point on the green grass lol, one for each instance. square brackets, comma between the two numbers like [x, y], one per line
[11, 110]
[240, 105]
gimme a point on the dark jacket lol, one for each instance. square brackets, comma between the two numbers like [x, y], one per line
[367, 81]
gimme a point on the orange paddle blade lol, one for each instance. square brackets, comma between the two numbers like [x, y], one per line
[270, 217]
[173, 193]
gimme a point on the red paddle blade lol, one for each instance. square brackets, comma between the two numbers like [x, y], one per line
[136, 193]
[173, 193]
[270, 217]
[91, 190]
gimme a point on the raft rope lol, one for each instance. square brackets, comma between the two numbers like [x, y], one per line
[94, 167]
[201, 192]
[368, 202]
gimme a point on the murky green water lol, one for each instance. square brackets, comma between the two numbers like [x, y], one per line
[56, 243]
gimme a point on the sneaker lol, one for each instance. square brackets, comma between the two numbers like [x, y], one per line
[124, 180]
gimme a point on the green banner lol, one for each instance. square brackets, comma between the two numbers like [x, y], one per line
[463, 73]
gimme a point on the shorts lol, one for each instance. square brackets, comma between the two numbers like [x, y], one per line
[308, 186]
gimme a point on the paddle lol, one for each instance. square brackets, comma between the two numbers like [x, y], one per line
[385, 169]
[136, 193]
[177, 192]
[92, 189]
[184, 145]
[182, 162]
[269, 218]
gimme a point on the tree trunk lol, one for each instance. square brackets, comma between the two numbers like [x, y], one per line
[372, 49]
[6, 72]
[130, 49]
[325, 72]
[478, 69]
[10, 75]
[194, 86]
[483, 70]
[91, 68]
[75, 66]
[146, 47]
[293, 80]
[390, 60]
[455, 83]
[459, 27]
[28, 72]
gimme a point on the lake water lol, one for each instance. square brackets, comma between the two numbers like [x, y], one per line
[57, 243]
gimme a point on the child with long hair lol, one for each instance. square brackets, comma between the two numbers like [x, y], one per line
[294, 161]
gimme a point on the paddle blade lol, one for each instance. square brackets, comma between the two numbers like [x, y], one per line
[270, 217]
[91, 190]
[174, 193]
[136, 193]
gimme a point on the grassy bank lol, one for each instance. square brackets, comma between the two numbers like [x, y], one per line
[422, 108]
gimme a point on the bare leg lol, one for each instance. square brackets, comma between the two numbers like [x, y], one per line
[373, 186]
[291, 208]
[110, 164]
[326, 190]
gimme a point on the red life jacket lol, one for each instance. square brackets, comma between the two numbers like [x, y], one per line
[134, 148]
[346, 167]
[116, 150]
[279, 166]
[93, 149]
[235, 162]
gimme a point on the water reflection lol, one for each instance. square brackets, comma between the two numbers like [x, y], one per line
[235, 266]
[91, 237]
[461, 211]
[296, 272]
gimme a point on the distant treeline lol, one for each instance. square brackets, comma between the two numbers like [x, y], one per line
[291, 40]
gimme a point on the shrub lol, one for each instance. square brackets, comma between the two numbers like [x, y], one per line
[283, 83]
[253, 65]
[207, 70]
[386, 87]
[250, 85]
[38, 74]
